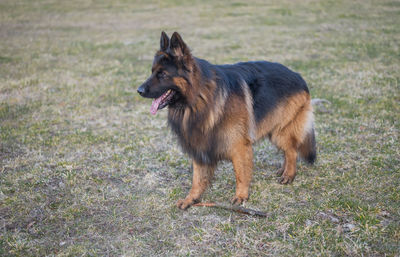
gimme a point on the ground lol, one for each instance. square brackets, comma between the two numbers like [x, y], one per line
[85, 170]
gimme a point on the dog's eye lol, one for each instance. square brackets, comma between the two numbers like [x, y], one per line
[162, 75]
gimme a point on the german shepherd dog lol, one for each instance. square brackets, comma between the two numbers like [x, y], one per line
[219, 111]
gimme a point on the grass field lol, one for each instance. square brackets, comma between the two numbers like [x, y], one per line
[85, 170]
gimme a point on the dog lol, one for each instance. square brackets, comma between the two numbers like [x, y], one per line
[219, 111]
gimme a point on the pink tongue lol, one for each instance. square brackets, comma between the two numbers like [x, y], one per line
[155, 104]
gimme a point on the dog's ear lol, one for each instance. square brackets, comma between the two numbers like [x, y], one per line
[177, 46]
[164, 41]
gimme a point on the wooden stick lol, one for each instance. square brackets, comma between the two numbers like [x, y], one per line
[235, 208]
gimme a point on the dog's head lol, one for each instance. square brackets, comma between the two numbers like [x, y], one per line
[171, 74]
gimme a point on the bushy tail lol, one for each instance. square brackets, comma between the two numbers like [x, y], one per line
[307, 149]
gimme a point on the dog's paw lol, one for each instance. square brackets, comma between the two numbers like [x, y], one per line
[238, 200]
[285, 179]
[183, 204]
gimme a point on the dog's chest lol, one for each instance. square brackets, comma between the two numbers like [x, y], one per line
[202, 147]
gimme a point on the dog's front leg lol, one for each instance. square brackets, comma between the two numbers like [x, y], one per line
[242, 159]
[202, 175]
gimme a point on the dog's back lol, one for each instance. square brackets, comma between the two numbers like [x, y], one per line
[269, 83]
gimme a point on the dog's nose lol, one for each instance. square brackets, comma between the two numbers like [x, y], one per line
[140, 90]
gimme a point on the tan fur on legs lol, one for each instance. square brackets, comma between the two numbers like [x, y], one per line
[289, 172]
[289, 132]
[242, 159]
[202, 175]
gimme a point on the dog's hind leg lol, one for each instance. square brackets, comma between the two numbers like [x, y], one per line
[202, 175]
[293, 133]
[291, 139]
[289, 168]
